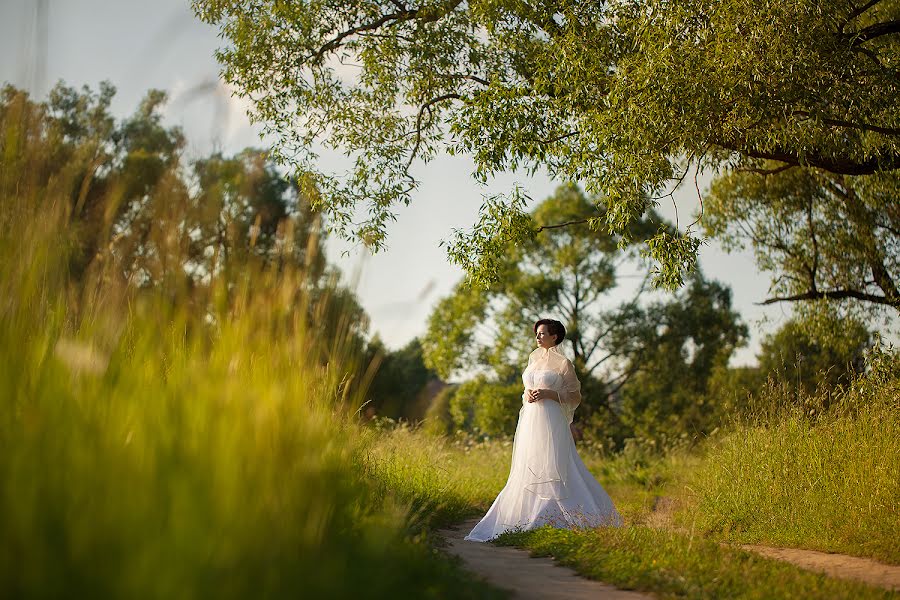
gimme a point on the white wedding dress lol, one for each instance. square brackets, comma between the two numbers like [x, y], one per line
[548, 483]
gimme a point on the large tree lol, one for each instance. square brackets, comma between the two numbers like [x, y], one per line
[820, 235]
[815, 353]
[679, 344]
[628, 98]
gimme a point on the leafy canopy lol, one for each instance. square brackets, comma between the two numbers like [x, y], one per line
[628, 98]
[821, 236]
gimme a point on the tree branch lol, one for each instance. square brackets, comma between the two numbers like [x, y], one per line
[623, 379]
[561, 225]
[875, 31]
[403, 14]
[858, 11]
[849, 125]
[558, 138]
[465, 77]
[766, 172]
[426, 107]
[886, 162]
[830, 294]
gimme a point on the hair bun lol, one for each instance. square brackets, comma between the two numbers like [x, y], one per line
[555, 327]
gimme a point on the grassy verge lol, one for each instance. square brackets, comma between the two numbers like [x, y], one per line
[188, 472]
[148, 451]
[830, 483]
[442, 481]
[668, 546]
[675, 565]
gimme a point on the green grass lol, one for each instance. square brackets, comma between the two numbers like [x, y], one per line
[681, 555]
[442, 481]
[638, 479]
[147, 451]
[827, 478]
[191, 472]
[675, 565]
[832, 485]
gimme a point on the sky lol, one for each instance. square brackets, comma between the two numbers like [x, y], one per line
[139, 45]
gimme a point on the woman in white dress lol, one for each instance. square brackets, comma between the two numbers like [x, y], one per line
[548, 483]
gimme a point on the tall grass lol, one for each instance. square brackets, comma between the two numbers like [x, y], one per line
[151, 451]
[443, 480]
[828, 479]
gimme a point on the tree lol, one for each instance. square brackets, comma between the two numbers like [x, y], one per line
[400, 380]
[809, 355]
[568, 272]
[627, 98]
[206, 232]
[680, 345]
[486, 407]
[821, 235]
[643, 364]
[107, 165]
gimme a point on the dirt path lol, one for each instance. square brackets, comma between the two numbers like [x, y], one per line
[841, 566]
[528, 578]
[865, 570]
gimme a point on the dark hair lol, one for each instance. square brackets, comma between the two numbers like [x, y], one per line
[554, 327]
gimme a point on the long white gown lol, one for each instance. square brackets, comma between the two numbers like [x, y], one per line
[548, 483]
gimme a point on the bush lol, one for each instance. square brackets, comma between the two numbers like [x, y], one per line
[486, 407]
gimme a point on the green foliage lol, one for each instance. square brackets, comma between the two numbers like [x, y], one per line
[628, 98]
[680, 343]
[438, 419]
[136, 214]
[153, 450]
[565, 271]
[486, 407]
[443, 480]
[399, 383]
[821, 236]
[448, 344]
[679, 565]
[501, 225]
[731, 387]
[676, 255]
[819, 355]
[668, 347]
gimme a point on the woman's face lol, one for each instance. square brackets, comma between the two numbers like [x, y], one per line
[544, 338]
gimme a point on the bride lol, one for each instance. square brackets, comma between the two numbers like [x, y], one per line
[548, 483]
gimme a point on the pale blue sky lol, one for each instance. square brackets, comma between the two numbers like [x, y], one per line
[138, 45]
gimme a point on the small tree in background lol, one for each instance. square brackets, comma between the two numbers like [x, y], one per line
[817, 351]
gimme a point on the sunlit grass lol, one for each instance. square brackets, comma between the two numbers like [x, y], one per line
[831, 483]
[154, 444]
[678, 565]
[443, 480]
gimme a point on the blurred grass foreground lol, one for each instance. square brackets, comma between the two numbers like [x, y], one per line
[177, 420]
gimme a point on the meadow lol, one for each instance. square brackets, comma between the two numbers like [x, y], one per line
[184, 441]
[823, 479]
[153, 449]
[147, 455]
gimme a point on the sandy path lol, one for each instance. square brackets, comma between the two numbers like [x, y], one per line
[841, 566]
[528, 578]
[865, 570]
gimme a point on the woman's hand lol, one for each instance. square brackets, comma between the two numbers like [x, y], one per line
[535, 395]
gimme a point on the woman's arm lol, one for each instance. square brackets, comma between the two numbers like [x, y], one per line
[570, 396]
